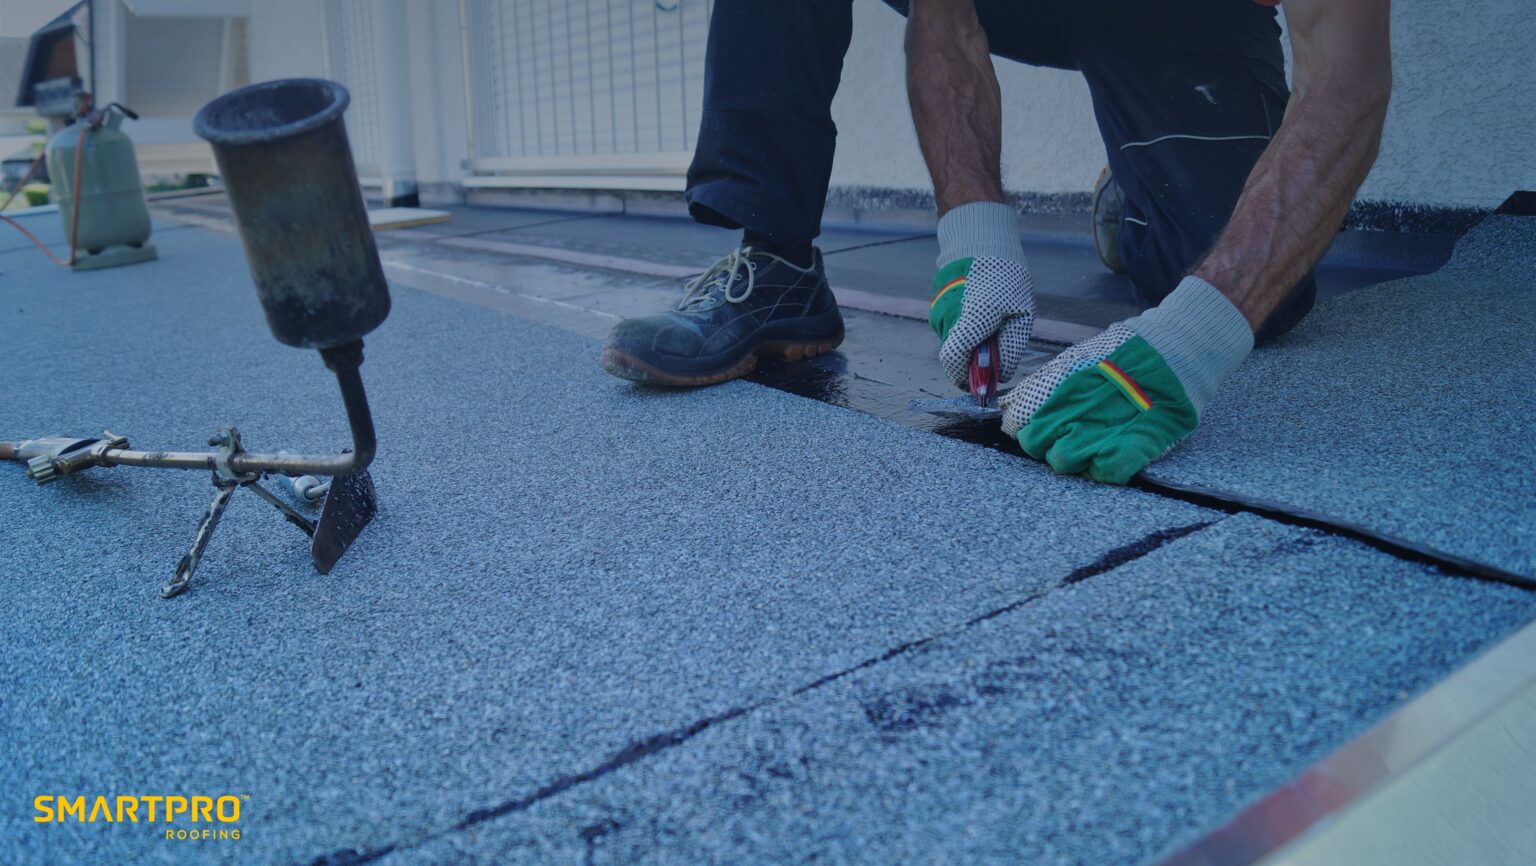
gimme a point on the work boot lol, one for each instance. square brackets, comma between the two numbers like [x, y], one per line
[748, 306]
[1108, 214]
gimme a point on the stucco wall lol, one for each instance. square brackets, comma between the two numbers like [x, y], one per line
[1461, 130]
[1050, 142]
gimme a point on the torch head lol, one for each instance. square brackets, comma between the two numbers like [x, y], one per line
[287, 167]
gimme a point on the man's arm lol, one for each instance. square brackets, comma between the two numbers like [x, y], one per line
[1300, 190]
[982, 288]
[957, 106]
[1109, 406]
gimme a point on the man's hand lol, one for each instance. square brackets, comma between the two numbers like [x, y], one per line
[1110, 405]
[974, 298]
[982, 287]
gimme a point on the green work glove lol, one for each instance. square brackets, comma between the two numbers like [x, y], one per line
[1108, 406]
[982, 288]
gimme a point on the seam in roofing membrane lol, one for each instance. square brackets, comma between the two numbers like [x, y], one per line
[1402, 548]
[789, 377]
[647, 746]
[1220, 500]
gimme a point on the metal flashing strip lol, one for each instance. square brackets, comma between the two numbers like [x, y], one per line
[1313, 804]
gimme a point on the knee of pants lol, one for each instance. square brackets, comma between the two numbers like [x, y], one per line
[1156, 262]
[1154, 259]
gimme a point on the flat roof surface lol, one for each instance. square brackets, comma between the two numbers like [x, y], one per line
[595, 620]
[1403, 407]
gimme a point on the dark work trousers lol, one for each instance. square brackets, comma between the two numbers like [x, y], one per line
[1187, 94]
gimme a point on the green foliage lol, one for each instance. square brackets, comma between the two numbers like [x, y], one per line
[35, 193]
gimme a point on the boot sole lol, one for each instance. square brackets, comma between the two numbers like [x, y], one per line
[626, 366]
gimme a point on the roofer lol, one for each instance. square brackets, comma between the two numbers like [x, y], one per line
[1218, 199]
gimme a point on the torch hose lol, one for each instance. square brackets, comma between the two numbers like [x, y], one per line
[74, 210]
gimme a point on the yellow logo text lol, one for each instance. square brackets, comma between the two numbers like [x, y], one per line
[167, 808]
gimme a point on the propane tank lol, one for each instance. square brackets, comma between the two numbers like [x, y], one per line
[113, 224]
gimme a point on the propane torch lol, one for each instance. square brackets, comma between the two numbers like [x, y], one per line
[287, 167]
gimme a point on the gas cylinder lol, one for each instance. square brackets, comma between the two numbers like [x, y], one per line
[113, 224]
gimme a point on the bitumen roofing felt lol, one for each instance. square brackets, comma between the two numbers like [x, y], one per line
[1070, 283]
[1402, 407]
[594, 619]
[1100, 724]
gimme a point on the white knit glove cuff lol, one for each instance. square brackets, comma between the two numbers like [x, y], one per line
[1200, 334]
[981, 229]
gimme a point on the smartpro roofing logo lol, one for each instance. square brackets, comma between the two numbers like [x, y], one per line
[220, 816]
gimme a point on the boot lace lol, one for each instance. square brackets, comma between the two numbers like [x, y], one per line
[722, 275]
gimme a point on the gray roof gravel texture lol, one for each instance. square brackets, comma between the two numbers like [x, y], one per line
[591, 619]
[1406, 407]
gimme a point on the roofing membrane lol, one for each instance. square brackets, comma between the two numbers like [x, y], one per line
[1402, 407]
[653, 626]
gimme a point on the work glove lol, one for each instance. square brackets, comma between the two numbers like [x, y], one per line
[1110, 405]
[982, 288]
